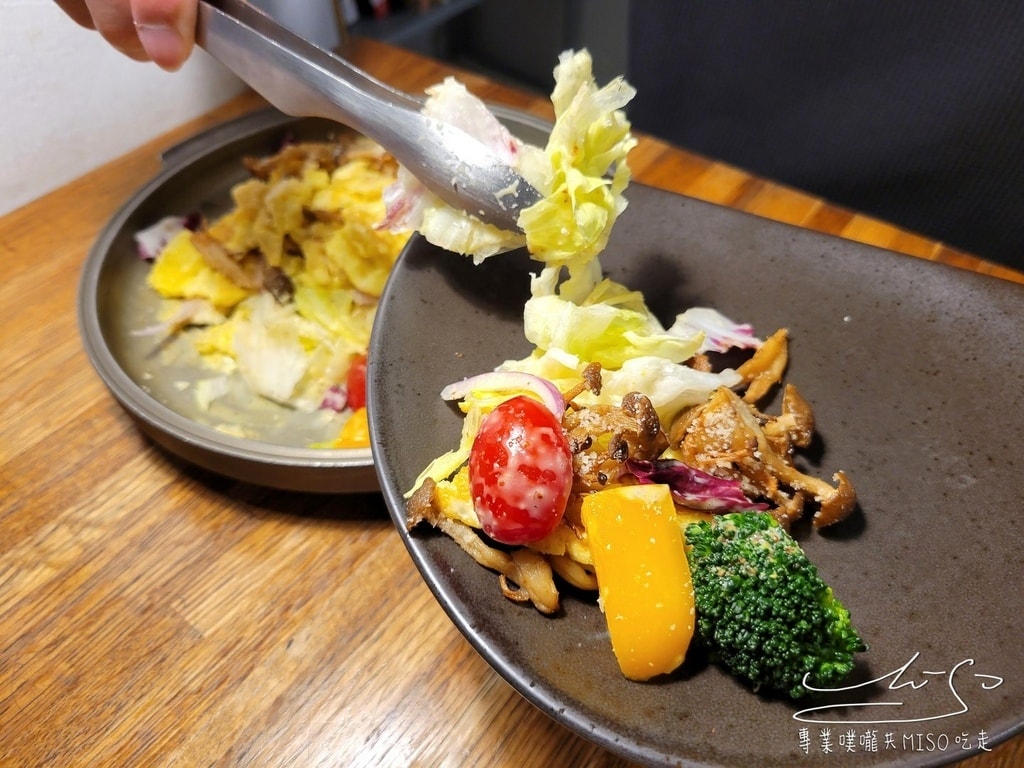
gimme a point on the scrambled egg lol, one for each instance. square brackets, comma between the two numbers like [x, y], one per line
[287, 281]
[180, 272]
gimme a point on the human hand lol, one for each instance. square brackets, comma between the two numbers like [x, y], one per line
[162, 31]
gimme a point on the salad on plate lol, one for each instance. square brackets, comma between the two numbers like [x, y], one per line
[276, 297]
[626, 457]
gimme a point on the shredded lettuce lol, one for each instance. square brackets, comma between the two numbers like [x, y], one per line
[581, 172]
[669, 386]
[448, 463]
[587, 170]
[343, 312]
[603, 330]
[269, 350]
[610, 324]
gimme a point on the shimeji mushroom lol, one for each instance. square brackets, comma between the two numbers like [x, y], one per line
[728, 437]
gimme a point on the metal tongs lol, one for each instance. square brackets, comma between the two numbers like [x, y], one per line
[303, 80]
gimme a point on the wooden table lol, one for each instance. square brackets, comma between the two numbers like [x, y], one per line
[154, 614]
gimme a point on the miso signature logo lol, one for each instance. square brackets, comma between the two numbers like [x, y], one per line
[959, 682]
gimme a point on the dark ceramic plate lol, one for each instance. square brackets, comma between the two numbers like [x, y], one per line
[915, 372]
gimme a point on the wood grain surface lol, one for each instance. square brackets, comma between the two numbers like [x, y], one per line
[154, 614]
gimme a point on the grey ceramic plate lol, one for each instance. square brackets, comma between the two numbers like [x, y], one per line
[915, 372]
[240, 435]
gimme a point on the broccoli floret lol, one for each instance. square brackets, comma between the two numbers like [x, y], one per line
[763, 611]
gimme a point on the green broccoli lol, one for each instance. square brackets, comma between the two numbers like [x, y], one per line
[762, 609]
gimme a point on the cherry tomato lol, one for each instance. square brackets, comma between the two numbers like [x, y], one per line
[520, 472]
[355, 383]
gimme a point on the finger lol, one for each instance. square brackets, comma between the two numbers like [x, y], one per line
[113, 20]
[78, 11]
[166, 30]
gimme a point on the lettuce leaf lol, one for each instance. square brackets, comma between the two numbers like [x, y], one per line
[609, 325]
[581, 172]
[587, 170]
[590, 320]
[269, 350]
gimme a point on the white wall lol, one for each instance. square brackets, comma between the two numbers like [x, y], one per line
[69, 102]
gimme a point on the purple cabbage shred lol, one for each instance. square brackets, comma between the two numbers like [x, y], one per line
[693, 487]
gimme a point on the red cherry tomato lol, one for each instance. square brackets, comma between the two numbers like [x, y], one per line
[520, 472]
[355, 383]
